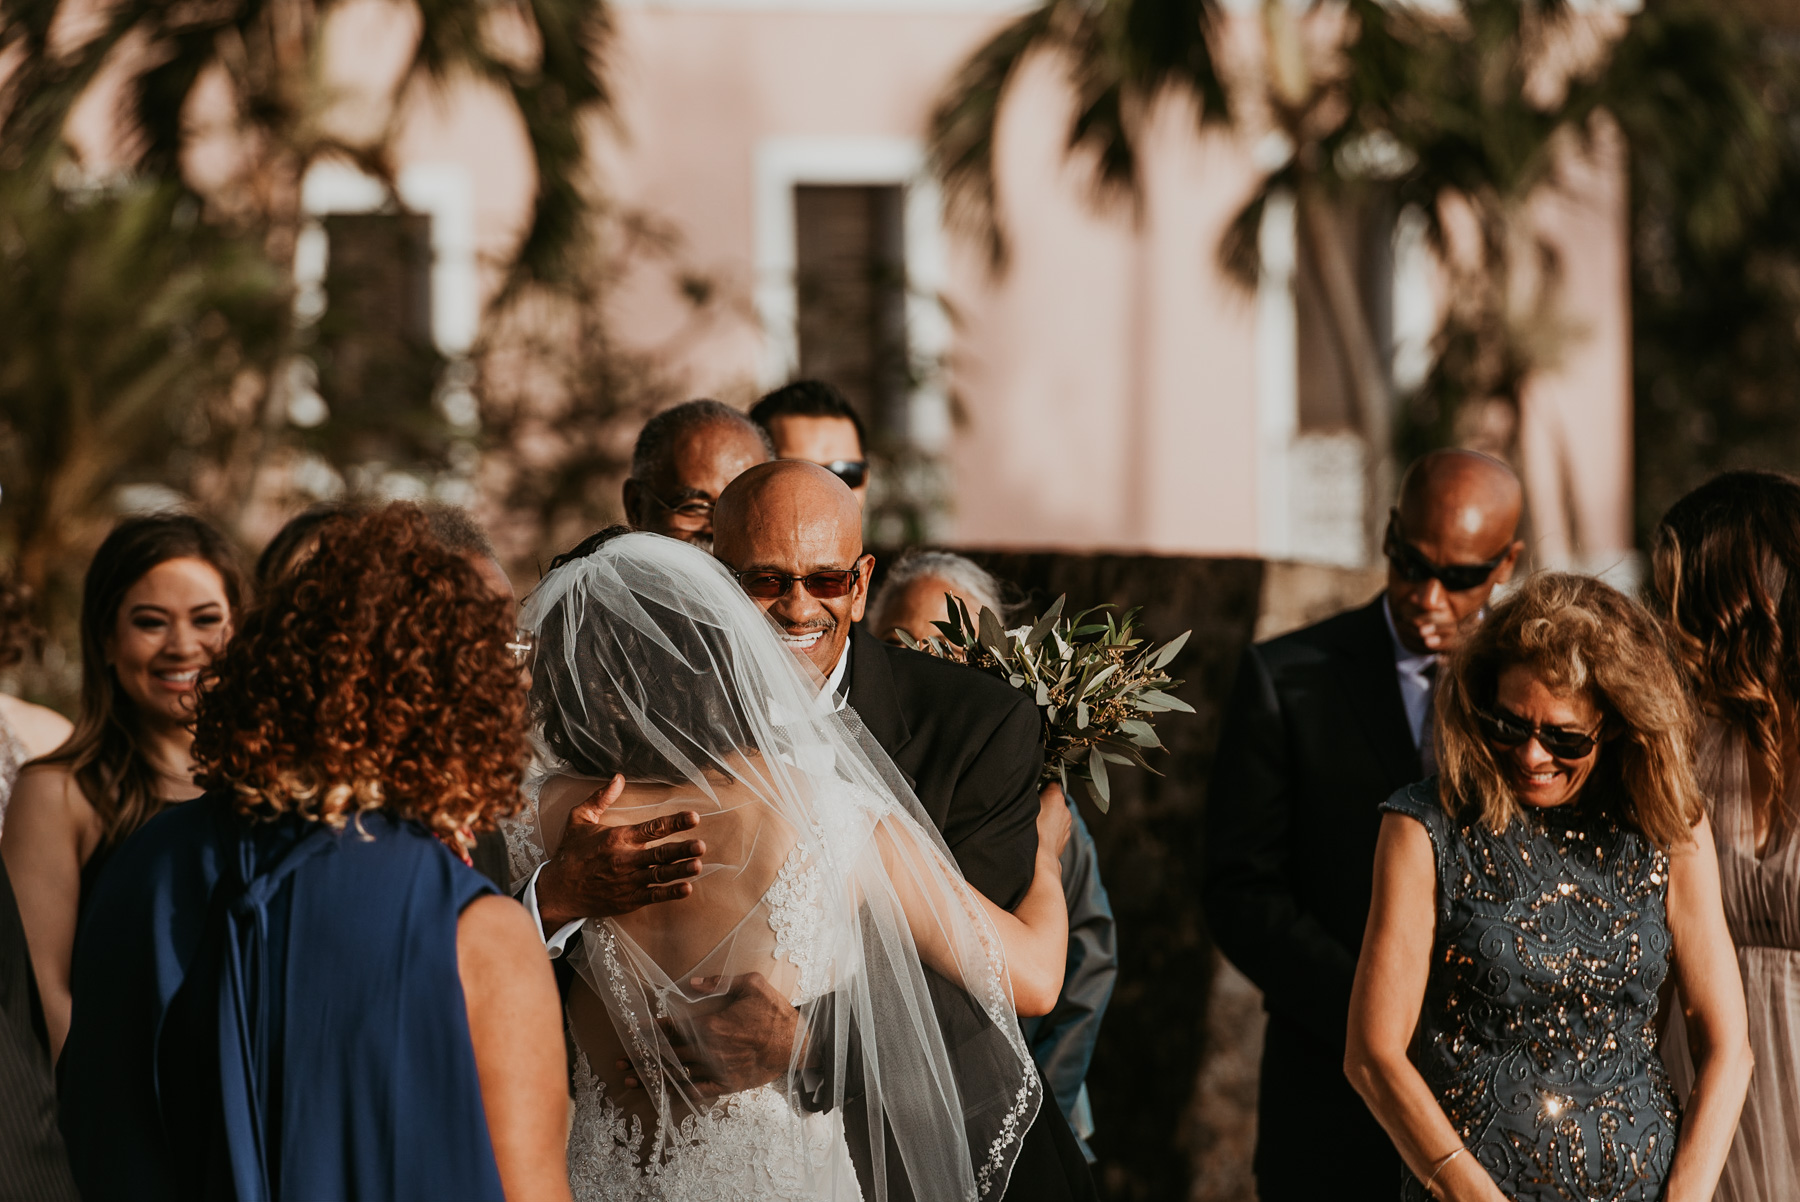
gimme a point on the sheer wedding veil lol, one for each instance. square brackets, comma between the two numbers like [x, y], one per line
[823, 874]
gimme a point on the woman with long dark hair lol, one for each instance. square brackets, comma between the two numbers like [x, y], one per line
[1727, 576]
[1529, 903]
[156, 607]
[294, 987]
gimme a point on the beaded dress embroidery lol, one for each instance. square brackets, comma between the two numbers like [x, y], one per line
[1537, 1033]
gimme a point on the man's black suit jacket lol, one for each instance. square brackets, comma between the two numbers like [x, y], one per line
[972, 749]
[1315, 738]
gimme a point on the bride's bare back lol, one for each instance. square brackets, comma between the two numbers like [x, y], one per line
[721, 930]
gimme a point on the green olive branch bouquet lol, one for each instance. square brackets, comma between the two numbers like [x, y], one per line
[1097, 685]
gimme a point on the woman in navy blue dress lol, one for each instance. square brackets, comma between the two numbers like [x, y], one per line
[1529, 903]
[294, 987]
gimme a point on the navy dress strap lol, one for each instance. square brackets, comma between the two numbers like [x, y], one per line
[287, 1001]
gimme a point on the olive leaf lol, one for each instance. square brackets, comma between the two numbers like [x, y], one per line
[1096, 682]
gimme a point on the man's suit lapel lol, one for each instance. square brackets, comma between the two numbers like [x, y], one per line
[872, 693]
[1373, 687]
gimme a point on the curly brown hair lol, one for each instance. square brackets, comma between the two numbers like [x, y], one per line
[375, 675]
[1579, 636]
[1727, 576]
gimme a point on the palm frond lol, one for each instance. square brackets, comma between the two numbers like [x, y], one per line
[965, 126]
[1684, 87]
[1120, 56]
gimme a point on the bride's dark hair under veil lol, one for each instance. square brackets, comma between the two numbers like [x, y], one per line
[823, 874]
[599, 736]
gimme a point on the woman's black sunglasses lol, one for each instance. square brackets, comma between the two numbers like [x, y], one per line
[1415, 568]
[1505, 729]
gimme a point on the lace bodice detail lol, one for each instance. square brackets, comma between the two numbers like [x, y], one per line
[1537, 1031]
[750, 1147]
[795, 917]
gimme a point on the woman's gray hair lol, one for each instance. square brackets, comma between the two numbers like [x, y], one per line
[967, 579]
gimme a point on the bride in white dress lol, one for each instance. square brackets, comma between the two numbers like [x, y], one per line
[822, 874]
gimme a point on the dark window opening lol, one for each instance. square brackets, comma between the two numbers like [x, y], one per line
[850, 277]
[376, 359]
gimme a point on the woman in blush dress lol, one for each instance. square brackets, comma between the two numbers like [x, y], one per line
[156, 607]
[1727, 574]
[1529, 903]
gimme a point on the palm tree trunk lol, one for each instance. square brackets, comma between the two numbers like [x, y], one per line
[1362, 357]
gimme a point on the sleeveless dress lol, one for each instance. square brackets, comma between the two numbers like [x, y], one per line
[1537, 1033]
[1761, 891]
[270, 1010]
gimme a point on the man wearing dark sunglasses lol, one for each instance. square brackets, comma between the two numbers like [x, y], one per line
[1323, 725]
[812, 420]
[970, 747]
[683, 460]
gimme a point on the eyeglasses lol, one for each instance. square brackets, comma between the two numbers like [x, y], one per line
[1415, 567]
[1505, 729]
[851, 471]
[691, 515]
[823, 586]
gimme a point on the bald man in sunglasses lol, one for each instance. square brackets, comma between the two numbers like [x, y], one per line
[970, 747]
[1322, 726]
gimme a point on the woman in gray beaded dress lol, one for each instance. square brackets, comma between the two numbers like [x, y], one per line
[1529, 903]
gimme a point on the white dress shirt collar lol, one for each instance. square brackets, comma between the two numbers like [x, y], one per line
[834, 681]
[1414, 673]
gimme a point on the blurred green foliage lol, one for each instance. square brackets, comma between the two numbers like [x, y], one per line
[1716, 313]
[128, 331]
[148, 326]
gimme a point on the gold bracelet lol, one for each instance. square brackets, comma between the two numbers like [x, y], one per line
[1440, 1166]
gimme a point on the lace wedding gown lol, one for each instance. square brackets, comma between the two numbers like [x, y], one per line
[1761, 891]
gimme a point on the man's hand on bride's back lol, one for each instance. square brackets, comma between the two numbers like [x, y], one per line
[602, 871]
[747, 1043]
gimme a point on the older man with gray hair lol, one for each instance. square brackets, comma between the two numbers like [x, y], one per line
[912, 596]
[683, 460]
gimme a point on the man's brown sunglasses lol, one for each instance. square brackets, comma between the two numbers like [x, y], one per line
[824, 586]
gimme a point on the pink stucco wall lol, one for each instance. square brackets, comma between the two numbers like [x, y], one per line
[1106, 386]
[1104, 383]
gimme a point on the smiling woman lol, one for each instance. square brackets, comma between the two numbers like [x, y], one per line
[1528, 906]
[156, 607]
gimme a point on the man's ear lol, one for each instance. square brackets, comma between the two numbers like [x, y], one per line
[631, 494]
[867, 573]
[1504, 572]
